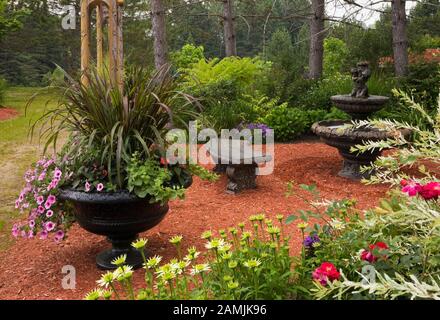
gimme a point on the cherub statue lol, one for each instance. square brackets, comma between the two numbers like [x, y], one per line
[360, 76]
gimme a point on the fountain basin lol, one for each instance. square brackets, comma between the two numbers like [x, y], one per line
[359, 108]
[335, 133]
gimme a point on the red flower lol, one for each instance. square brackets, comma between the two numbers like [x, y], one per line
[163, 161]
[326, 272]
[367, 255]
[430, 191]
[404, 183]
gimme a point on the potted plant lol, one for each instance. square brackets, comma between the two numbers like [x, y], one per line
[111, 175]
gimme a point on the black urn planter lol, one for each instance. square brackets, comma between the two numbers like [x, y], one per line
[120, 216]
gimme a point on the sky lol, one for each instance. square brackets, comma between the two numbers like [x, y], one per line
[340, 9]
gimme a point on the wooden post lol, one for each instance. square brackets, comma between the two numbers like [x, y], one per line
[115, 40]
[85, 41]
[120, 72]
[99, 37]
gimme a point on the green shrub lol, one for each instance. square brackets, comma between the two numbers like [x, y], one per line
[226, 88]
[287, 123]
[187, 56]
[335, 56]
[318, 96]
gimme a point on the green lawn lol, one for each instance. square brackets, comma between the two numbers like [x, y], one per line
[17, 151]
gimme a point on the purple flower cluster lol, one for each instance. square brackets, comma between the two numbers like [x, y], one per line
[255, 126]
[310, 240]
[38, 197]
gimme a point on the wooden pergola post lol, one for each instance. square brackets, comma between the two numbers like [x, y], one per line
[115, 40]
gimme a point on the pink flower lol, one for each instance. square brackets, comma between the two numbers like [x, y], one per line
[42, 176]
[49, 213]
[15, 230]
[367, 255]
[52, 199]
[59, 235]
[31, 224]
[40, 200]
[100, 187]
[57, 174]
[40, 209]
[17, 204]
[21, 197]
[49, 226]
[87, 186]
[411, 189]
[48, 204]
[30, 234]
[43, 235]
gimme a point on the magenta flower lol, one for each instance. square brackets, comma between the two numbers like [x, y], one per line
[40, 200]
[49, 226]
[40, 209]
[87, 186]
[100, 187]
[17, 204]
[52, 199]
[49, 213]
[42, 176]
[411, 189]
[57, 174]
[43, 235]
[30, 234]
[21, 197]
[15, 230]
[47, 204]
[31, 224]
[59, 235]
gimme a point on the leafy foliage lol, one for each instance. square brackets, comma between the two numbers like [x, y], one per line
[116, 125]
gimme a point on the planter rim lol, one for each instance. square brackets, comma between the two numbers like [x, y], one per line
[122, 196]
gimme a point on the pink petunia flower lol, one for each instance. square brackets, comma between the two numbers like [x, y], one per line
[49, 226]
[42, 176]
[49, 213]
[100, 187]
[17, 204]
[40, 200]
[31, 224]
[43, 235]
[57, 174]
[59, 235]
[87, 186]
[40, 209]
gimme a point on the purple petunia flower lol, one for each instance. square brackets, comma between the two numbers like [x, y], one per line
[310, 240]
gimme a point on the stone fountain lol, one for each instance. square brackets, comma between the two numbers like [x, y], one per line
[342, 135]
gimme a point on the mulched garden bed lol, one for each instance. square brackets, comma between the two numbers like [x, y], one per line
[7, 113]
[31, 269]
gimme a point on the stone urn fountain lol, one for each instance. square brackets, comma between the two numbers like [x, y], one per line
[342, 135]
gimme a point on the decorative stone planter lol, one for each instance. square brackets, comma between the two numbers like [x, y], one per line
[120, 216]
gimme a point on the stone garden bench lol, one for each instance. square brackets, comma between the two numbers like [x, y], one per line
[241, 164]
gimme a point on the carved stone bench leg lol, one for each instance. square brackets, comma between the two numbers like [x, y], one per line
[241, 177]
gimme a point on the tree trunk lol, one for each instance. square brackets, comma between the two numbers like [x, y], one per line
[316, 39]
[229, 28]
[159, 33]
[400, 39]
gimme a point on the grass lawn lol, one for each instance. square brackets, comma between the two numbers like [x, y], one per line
[17, 151]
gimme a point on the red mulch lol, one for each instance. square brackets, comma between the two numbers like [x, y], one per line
[7, 113]
[31, 269]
